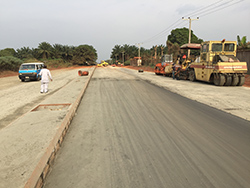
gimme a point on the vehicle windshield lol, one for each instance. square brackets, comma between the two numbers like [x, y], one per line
[229, 47]
[216, 47]
[27, 67]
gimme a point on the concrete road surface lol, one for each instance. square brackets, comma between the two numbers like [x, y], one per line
[130, 133]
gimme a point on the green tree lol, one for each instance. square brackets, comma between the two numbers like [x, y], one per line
[242, 43]
[84, 54]
[7, 52]
[130, 51]
[57, 50]
[116, 52]
[127, 51]
[173, 48]
[24, 52]
[45, 50]
[9, 63]
[180, 36]
[133, 51]
[67, 52]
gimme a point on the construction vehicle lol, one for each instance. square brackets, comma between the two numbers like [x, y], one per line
[102, 64]
[165, 67]
[182, 65]
[217, 64]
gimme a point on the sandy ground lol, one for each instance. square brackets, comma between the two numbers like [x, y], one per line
[19, 97]
[34, 136]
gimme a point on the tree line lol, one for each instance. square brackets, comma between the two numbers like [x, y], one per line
[178, 37]
[11, 59]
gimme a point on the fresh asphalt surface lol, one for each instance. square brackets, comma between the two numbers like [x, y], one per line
[129, 133]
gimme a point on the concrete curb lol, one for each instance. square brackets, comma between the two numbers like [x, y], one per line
[39, 174]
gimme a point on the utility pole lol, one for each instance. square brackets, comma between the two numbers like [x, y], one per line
[139, 55]
[155, 51]
[123, 57]
[189, 37]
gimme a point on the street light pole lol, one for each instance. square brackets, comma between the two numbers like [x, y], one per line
[189, 36]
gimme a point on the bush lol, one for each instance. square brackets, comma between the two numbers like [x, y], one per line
[57, 63]
[127, 63]
[10, 63]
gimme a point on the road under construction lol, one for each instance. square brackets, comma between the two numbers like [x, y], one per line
[129, 132]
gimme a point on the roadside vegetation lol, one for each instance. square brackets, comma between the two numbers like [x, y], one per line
[128, 54]
[54, 56]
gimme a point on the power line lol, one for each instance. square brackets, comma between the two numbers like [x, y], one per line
[202, 11]
[221, 8]
[162, 33]
[204, 8]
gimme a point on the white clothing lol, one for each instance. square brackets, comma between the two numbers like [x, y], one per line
[45, 75]
[44, 87]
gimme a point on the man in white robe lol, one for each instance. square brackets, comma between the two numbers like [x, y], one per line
[45, 76]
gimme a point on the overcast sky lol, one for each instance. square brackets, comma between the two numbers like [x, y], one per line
[105, 23]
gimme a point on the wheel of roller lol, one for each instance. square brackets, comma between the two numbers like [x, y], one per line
[235, 80]
[228, 81]
[219, 79]
[192, 76]
[241, 80]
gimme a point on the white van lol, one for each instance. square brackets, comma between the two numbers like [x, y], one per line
[30, 71]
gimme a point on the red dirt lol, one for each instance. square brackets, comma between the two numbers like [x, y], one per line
[247, 81]
[149, 69]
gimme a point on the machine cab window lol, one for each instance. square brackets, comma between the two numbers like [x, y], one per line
[229, 47]
[216, 47]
